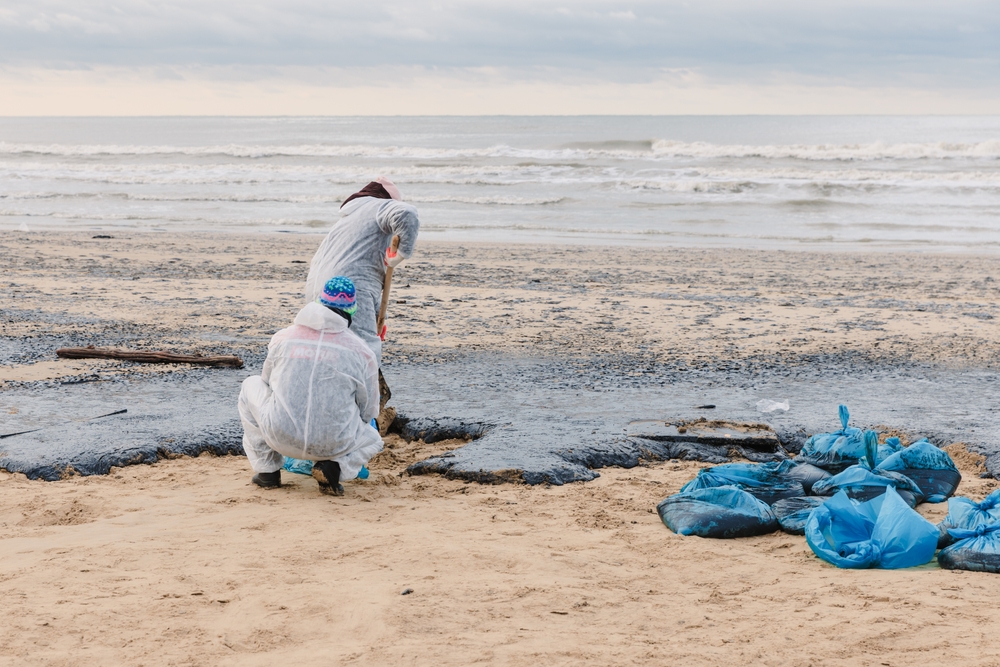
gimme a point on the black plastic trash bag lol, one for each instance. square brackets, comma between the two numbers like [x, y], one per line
[928, 466]
[883, 532]
[977, 549]
[792, 513]
[834, 451]
[722, 512]
[768, 482]
[967, 514]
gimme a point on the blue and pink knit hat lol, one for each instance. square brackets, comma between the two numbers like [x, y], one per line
[339, 293]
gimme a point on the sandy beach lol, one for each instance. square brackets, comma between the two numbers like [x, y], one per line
[186, 563]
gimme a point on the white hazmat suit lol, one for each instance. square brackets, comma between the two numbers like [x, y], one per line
[355, 248]
[314, 398]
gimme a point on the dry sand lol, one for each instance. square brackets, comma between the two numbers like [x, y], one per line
[185, 563]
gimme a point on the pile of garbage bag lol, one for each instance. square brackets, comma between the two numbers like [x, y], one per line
[853, 499]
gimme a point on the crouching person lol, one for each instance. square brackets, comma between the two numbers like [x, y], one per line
[315, 396]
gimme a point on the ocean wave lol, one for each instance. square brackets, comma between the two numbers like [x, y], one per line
[274, 199]
[139, 220]
[321, 179]
[317, 174]
[487, 201]
[695, 186]
[878, 150]
[652, 149]
[259, 152]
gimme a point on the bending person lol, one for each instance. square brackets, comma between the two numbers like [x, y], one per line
[358, 246]
[315, 396]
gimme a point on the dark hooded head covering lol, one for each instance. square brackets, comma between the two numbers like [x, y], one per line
[380, 188]
[373, 189]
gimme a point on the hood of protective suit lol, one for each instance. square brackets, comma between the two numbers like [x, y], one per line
[351, 206]
[320, 318]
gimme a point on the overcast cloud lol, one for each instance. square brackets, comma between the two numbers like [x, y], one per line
[515, 56]
[875, 42]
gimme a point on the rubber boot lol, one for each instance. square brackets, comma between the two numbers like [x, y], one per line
[267, 480]
[327, 473]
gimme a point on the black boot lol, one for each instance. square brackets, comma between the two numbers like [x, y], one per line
[267, 480]
[327, 473]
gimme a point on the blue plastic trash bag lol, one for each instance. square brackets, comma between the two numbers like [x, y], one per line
[792, 513]
[298, 466]
[723, 512]
[967, 514]
[929, 467]
[860, 483]
[883, 532]
[977, 549]
[875, 453]
[768, 482]
[888, 448]
[807, 474]
[302, 467]
[834, 451]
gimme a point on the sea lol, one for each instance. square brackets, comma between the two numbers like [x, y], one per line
[853, 183]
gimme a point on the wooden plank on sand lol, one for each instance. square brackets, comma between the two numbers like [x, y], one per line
[158, 357]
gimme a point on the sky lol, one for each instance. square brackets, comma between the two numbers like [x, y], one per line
[327, 57]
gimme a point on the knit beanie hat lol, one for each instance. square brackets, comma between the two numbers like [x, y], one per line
[339, 293]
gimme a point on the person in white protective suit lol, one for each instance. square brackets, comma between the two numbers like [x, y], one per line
[359, 247]
[315, 396]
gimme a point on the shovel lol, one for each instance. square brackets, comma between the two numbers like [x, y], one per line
[386, 284]
[384, 392]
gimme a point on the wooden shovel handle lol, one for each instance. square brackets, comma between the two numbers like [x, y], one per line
[386, 284]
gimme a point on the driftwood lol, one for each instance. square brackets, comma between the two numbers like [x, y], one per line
[91, 352]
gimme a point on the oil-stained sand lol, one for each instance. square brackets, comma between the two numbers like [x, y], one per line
[523, 338]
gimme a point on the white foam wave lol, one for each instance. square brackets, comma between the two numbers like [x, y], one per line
[989, 149]
[487, 201]
[657, 149]
[263, 151]
[274, 199]
[694, 186]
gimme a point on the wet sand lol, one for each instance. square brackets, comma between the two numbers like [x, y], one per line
[184, 562]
